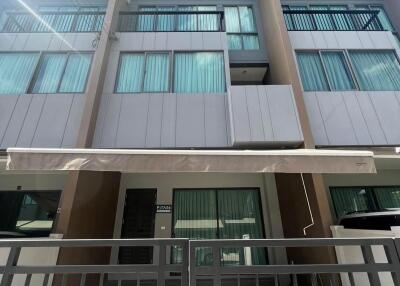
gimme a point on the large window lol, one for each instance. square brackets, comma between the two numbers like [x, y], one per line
[194, 72]
[62, 73]
[341, 71]
[220, 214]
[16, 70]
[241, 28]
[348, 200]
[27, 214]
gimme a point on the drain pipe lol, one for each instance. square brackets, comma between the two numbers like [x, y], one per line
[309, 207]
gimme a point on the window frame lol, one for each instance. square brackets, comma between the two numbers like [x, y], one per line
[144, 53]
[35, 74]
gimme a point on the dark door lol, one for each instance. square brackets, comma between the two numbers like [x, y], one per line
[138, 222]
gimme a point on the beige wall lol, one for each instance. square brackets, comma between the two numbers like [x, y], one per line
[32, 182]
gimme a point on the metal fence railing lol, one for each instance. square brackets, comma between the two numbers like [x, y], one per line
[45, 22]
[332, 20]
[171, 21]
[216, 272]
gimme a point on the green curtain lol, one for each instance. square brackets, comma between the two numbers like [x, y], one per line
[157, 73]
[145, 23]
[130, 74]
[165, 22]
[201, 72]
[342, 22]
[337, 71]
[50, 73]
[387, 197]
[302, 22]
[348, 200]
[250, 43]
[187, 22]
[239, 213]
[232, 22]
[16, 70]
[234, 42]
[312, 72]
[247, 24]
[376, 71]
[76, 73]
[207, 22]
[322, 21]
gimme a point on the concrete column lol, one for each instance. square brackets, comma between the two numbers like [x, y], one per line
[392, 8]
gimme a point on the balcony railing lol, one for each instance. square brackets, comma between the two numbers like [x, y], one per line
[171, 21]
[189, 272]
[332, 20]
[45, 22]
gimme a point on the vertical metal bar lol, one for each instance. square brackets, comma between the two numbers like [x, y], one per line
[28, 279]
[369, 259]
[46, 279]
[161, 264]
[101, 279]
[83, 279]
[11, 262]
[392, 258]
[216, 250]
[314, 281]
[64, 279]
[192, 263]
[294, 280]
[185, 263]
[351, 279]
[276, 280]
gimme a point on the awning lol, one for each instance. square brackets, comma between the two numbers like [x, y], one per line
[158, 161]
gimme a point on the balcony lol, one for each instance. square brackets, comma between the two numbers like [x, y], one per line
[379, 258]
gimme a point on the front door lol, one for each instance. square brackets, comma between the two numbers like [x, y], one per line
[138, 222]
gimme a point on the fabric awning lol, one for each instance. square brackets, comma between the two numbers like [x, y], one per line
[158, 161]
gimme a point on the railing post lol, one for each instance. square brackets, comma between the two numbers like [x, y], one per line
[12, 260]
[216, 265]
[185, 263]
[192, 264]
[369, 259]
[161, 264]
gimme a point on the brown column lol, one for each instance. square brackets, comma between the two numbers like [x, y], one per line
[89, 200]
[292, 200]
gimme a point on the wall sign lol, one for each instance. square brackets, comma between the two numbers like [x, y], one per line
[164, 209]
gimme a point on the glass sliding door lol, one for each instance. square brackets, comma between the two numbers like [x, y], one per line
[220, 214]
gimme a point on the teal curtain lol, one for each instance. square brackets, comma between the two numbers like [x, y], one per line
[202, 72]
[234, 42]
[312, 72]
[130, 74]
[232, 22]
[347, 200]
[239, 214]
[338, 73]
[76, 73]
[187, 22]
[207, 22]
[376, 71]
[166, 22]
[250, 43]
[16, 70]
[195, 217]
[387, 197]
[302, 22]
[247, 24]
[50, 73]
[146, 23]
[322, 21]
[157, 73]
[383, 18]
[88, 22]
[63, 23]
[342, 22]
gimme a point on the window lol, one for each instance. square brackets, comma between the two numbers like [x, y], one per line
[382, 16]
[347, 200]
[143, 72]
[62, 72]
[376, 70]
[330, 70]
[241, 28]
[199, 72]
[181, 22]
[27, 214]
[16, 70]
[219, 214]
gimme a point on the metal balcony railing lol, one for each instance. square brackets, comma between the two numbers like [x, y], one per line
[45, 22]
[171, 21]
[332, 20]
[189, 272]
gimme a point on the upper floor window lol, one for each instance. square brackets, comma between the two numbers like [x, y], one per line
[241, 28]
[194, 72]
[55, 73]
[57, 18]
[382, 16]
[341, 71]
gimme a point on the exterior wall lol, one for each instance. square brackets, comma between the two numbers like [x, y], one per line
[264, 115]
[42, 120]
[351, 118]
[32, 182]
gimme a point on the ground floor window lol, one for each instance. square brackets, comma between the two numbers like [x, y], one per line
[347, 200]
[220, 214]
[27, 214]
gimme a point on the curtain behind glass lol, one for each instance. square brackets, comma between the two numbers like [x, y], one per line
[195, 217]
[376, 71]
[337, 71]
[232, 20]
[187, 22]
[250, 42]
[166, 22]
[323, 21]
[312, 72]
[202, 72]
[388, 197]
[145, 23]
[76, 73]
[342, 22]
[50, 73]
[302, 22]
[234, 42]
[157, 73]
[130, 74]
[349, 200]
[16, 70]
[207, 22]
[239, 214]
[383, 18]
[247, 24]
